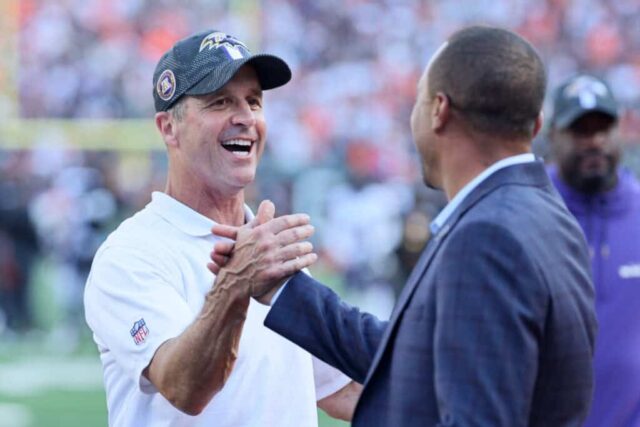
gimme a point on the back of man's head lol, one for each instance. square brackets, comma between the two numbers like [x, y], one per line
[493, 78]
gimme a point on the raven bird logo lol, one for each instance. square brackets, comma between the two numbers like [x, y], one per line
[218, 39]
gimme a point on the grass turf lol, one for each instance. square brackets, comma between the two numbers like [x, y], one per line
[57, 408]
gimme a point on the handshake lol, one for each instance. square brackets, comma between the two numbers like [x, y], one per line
[263, 253]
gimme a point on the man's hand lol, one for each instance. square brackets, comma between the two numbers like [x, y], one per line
[342, 403]
[266, 251]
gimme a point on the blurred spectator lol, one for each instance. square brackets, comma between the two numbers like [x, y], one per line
[18, 243]
[72, 216]
[416, 231]
[355, 66]
[69, 216]
[606, 201]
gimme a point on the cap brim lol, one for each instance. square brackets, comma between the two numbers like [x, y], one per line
[272, 72]
[565, 120]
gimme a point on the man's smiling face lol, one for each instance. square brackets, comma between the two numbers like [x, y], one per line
[221, 135]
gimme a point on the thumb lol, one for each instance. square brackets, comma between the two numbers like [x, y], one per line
[266, 211]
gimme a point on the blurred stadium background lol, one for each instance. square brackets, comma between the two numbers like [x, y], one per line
[79, 152]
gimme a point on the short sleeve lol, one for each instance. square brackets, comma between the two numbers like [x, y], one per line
[133, 306]
[327, 379]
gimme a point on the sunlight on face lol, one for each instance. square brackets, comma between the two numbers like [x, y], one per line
[222, 135]
[421, 126]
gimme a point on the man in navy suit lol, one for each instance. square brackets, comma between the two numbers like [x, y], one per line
[496, 325]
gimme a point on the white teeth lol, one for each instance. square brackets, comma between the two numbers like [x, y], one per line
[242, 142]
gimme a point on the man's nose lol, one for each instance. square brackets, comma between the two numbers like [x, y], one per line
[597, 140]
[243, 115]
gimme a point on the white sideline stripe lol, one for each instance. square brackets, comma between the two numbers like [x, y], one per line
[41, 374]
[14, 415]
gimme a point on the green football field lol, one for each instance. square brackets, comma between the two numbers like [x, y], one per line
[53, 378]
[42, 387]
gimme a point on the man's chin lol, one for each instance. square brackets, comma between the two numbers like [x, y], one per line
[431, 186]
[595, 183]
[430, 183]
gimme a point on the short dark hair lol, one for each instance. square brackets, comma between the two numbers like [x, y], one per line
[494, 78]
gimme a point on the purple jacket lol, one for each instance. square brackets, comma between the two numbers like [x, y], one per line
[611, 223]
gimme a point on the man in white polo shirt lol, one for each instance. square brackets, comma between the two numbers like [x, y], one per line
[179, 346]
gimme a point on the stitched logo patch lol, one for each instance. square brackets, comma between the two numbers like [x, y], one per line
[139, 332]
[166, 86]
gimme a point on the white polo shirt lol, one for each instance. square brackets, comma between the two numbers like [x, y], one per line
[147, 284]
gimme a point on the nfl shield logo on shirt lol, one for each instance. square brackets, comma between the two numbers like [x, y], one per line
[139, 331]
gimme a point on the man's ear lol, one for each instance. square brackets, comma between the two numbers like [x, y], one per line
[440, 112]
[165, 122]
[538, 124]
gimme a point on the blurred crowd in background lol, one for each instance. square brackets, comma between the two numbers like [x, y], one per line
[339, 145]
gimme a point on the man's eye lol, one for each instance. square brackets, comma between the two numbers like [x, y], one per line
[220, 102]
[255, 102]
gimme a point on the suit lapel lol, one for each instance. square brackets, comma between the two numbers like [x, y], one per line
[405, 296]
[417, 273]
[523, 174]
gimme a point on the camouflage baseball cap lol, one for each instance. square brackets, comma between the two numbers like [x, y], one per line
[204, 62]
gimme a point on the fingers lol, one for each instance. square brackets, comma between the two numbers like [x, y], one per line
[220, 256]
[223, 248]
[228, 231]
[273, 278]
[214, 268]
[266, 212]
[284, 222]
[222, 251]
[295, 234]
[294, 265]
[289, 232]
[293, 251]
[221, 260]
[265, 249]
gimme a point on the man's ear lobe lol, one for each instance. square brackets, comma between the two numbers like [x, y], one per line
[538, 124]
[440, 111]
[165, 123]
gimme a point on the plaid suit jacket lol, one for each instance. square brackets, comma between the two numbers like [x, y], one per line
[495, 326]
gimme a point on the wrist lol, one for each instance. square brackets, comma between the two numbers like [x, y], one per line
[229, 284]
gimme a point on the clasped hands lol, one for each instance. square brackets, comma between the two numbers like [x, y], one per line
[264, 252]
